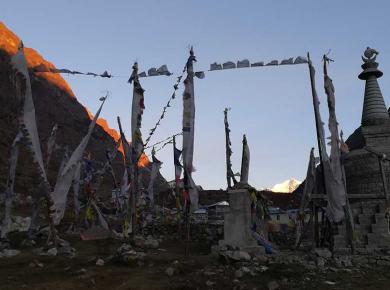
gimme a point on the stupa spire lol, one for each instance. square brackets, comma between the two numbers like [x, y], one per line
[374, 107]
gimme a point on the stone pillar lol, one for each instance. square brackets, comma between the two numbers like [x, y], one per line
[237, 221]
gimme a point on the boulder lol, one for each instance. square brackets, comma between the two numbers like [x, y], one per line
[51, 252]
[238, 255]
[100, 262]
[170, 271]
[139, 241]
[323, 253]
[273, 285]
[151, 243]
[238, 273]
[8, 253]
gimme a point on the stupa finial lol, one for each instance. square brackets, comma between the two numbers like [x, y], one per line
[374, 107]
[370, 55]
[370, 66]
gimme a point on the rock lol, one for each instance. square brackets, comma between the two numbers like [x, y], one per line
[320, 262]
[20, 224]
[383, 263]
[263, 268]
[245, 269]
[151, 243]
[81, 271]
[140, 264]
[29, 243]
[238, 255]
[139, 241]
[124, 248]
[330, 282]
[209, 273]
[323, 253]
[51, 252]
[343, 261]
[140, 255]
[62, 243]
[35, 263]
[170, 271]
[4, 245]
[100, 262]
[261, 258]
[238, 274]
[66, 251]
[273, 285]
[8, 253]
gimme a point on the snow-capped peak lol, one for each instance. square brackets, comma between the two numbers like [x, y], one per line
[287, 186]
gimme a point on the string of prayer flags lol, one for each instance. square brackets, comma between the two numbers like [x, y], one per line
[170, 141]
[200, 74]
[173, 96]
[287, 61]
[245, 63]
[43, 69]
[164, 140]
[273, 62]
[161, 71]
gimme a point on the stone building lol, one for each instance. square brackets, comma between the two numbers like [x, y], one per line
[366, 182]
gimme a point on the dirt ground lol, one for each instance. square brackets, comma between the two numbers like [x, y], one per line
[81, 272]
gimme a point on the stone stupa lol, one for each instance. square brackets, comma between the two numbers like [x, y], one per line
[365, 183]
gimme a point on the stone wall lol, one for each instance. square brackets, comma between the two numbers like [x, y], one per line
[363, 174]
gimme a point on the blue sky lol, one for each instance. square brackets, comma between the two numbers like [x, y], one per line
[273, 106]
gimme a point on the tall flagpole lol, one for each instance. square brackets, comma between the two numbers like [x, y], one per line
[315, 98]
[229, 171]
[191, 193]
[320, 149]
[177, 178]
[136, 139]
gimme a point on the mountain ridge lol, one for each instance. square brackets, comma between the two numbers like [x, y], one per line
[287, 186]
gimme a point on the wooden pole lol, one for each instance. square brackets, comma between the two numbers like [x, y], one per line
[320, 149]
[313, 209]
[228, 150]
[187, 164]
[177, 191]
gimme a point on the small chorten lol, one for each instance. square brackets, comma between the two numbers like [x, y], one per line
[374, 107]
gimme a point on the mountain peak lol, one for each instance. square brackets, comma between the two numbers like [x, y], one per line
[9, 42]
[286, 186]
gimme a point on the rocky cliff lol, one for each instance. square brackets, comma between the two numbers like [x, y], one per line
[55, 103]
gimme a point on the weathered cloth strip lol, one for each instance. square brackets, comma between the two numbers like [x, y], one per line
[188, 131]
[61, 189]
[9, 194]
[245, 161]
